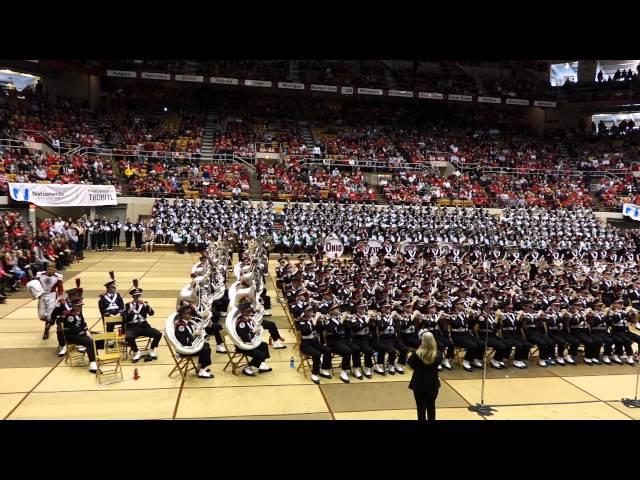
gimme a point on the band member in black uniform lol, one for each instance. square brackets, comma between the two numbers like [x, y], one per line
[128, 233]
[358, 331]
[623, 338]
[101, 234]
[136, 325]
[138, 229]
[386, 341]
[598, 322]
[535, 334]
[436, 323]
[108, 233]
[247, 330]
[406, 329]
[579, 328]
[214, 327]
[512, 337]
[93, 228]
[339, 344]
[76, 332]
[111, 303]
[187, 331]
[556, 329]
[309, 345]
[57, 315]
[462, 337]
[488, 327]
[116, 232]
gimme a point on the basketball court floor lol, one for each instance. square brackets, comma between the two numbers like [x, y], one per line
[36, 384]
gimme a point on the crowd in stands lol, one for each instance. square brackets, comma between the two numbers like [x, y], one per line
[24, 165]
[159, 177]
[288, 180]
[487, 190]
[62, 120]
[151, 119]
[26, 248]
[613, 193]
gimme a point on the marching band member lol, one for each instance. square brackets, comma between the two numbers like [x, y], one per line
[340, 344]
[623, 338]
[186, 331]
[213, 327]
[436, 324]
[309, 345]
[599, 324]
[387, 342]
[111, 303]
[52, 288]
[136, 325]
[247, 329]
[535, 334]
[76, 331]
[488, 326]
[461, 335]
[555, 328]
[358, 331]
[64, 306]
[512, 336]
[579, 328]
[128, 233]
[138, 228]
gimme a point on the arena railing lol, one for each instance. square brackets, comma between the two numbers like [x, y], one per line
[363, 164]
[60, 147]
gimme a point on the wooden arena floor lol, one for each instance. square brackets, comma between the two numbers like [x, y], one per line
[36, 384]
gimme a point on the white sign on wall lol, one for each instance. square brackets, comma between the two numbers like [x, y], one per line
[156, 76]
[121, 74]
[432, 96]
[224, 80]
[324, 88]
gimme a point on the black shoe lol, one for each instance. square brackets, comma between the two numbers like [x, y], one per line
[147, 358]
[45, 335]
[324, 376]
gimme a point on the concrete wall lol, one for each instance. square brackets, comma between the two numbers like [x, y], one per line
[535, 117]
[79, 86]
[566, 118]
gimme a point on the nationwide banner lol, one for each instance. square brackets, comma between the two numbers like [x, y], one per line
[631, 210]
[69, 195]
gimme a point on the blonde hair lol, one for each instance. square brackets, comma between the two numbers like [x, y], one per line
[428, 348]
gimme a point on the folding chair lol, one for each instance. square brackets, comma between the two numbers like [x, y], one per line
[111, 355]
[237, 358]
[73, 354]
[106, 321]
[183, 363]
[305, 360]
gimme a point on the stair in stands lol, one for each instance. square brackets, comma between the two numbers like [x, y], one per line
[210, 126]
[91, 122]
[307, 135]
[255, 185]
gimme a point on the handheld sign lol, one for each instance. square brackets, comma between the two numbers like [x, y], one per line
[333, 248]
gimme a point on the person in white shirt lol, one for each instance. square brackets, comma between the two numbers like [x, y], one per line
[41, 173]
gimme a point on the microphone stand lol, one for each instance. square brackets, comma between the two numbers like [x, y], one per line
[481, 408]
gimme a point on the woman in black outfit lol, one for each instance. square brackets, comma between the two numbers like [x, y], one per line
[424, 381]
